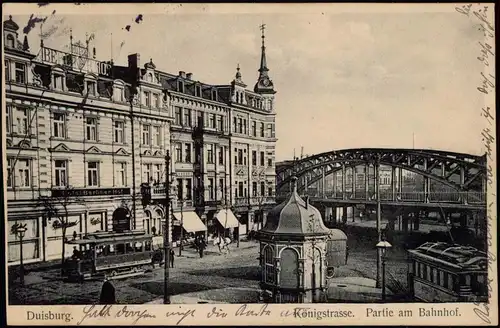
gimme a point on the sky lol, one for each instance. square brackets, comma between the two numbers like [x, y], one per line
[346, 77]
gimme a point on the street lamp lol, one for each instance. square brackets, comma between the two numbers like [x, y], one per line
[382, 248]
[20, 231]
[182, 226]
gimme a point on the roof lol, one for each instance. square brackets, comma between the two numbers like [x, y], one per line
[10, 24]
[455, 255]
[295, 217]
[112, 237]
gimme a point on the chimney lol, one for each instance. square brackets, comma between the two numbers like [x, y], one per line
[134, 61]
[182, 74]
[189, 76]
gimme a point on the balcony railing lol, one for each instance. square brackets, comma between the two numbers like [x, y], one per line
[464, 197]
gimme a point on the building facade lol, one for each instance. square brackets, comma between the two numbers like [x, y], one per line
[83, 136]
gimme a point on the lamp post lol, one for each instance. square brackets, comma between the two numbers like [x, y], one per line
[20, 231]
[182, 226]
[382, 247]
[166, 245]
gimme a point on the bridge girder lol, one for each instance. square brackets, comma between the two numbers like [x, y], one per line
[451, 167]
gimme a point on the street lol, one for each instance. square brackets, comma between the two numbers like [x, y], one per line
[221, 278]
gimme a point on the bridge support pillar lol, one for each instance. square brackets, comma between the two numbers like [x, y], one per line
[344, 214]
[405, 218]
[416, 220]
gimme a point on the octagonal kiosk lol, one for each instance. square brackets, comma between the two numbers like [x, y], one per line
[293, 252]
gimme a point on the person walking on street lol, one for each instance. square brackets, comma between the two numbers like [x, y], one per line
[107, 293]
[172, 258]
[201, 246]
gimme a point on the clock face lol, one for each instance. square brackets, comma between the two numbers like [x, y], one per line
[266, 82]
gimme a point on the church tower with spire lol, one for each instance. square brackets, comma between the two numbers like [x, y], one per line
[264, 85]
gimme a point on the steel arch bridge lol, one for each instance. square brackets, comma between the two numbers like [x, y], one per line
[458, 173]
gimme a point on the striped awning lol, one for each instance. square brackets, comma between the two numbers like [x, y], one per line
[227, 218]
[191, 222]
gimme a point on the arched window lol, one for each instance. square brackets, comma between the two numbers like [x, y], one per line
[268, 264]
[11, 41]
[289, 275]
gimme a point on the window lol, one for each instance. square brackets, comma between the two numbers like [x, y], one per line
[157, 173]
[262, 158]
[59, 125]
[147, 173]
[254, 128]
[7, 70]
[23, 121]
[91, 88]
[220, 124]
[180, 192]
[118, 132]
[262, 189]
[240, 157]
[211, 188]
[10, 172]
[189, 189]
[270, 191]
[240, 189]
[93, 174]
[58, 82]
[262, 129]
[61, 173]
[178, 152]
[156, 136]
[221, 155]
[254, 157]
[20, 73]
[198, 91]
[91, 128]
[121, 174]
[240, 125]
[187, 117]
[147, 98]
[188, 153]
[178, 115]
[8, 117]
[235, 125]
[269, 161]
[146, 134]
[180, 86]
[24, 169]
[212, 121]
[201, 120]
[244, 126]
[214, 95]
[269, 130]
[268, 264]
[156, 101]
[210, 154]
[254, 189]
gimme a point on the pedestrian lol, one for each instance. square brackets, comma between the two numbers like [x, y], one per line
[172, 258]
[107, 293]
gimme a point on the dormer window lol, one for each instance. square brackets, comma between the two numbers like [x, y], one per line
[11, 42]
[91, 87]
[180, 86]
[214, 94]
[197, 91]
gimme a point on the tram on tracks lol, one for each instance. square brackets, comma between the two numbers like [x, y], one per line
[442, 272]
[112, 255]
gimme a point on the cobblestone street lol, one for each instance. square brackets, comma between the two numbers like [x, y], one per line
[222, 278]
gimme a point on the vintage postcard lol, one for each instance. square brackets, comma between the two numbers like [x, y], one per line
[236, 164]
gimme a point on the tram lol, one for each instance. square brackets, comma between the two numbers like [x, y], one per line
[113, 255]
[442, 272]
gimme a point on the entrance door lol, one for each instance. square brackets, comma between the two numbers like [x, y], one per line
[121, 220]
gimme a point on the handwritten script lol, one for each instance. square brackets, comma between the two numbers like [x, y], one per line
[487, 86]
[124, 312]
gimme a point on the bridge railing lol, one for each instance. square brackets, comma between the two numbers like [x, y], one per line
[460, 197]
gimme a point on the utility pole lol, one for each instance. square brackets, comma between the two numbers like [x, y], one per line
[166, 231]
[182, 227]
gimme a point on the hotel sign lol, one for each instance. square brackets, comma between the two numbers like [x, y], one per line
[74, 61]
[86, 192]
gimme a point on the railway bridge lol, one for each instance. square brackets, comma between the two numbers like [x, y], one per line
[407, 184]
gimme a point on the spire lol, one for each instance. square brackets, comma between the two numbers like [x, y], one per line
[263, 62]
[238, 74]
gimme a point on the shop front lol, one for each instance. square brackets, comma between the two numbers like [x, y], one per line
[228, 224]
[191, 225]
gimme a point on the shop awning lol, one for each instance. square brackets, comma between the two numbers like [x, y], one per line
[227, 218]
[191, 222]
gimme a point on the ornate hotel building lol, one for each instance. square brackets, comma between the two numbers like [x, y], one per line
[85, 136]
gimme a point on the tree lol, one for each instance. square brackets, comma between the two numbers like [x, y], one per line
[56, 209]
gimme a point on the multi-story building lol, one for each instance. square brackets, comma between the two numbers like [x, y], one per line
[83, 136]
